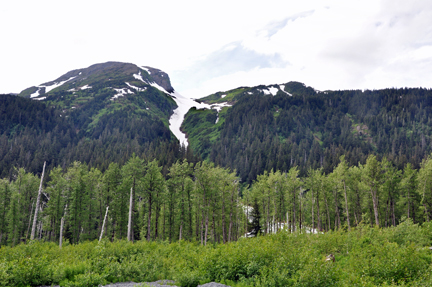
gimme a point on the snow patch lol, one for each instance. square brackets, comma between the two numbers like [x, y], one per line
[85, 87]
[55, 85]
[184, 105]
[35, 94]
[145, 69]
[282, 87]
[266, 92]
[223, 96]
[121, 93]
[40, 99]
[159, 88]
[139, 77]
[273, 90]
[218, 107]
[136, 88]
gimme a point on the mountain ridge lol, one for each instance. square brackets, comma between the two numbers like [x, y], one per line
[249, 129]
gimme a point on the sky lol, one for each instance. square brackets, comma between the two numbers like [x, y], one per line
[206, 47]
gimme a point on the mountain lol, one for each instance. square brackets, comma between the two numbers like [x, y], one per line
[89, 94]
[281, 126]
[98, 115]
[109, 111]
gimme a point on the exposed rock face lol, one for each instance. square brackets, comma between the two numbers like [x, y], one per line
[161, 78]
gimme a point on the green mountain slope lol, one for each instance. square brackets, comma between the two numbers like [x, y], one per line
[280, 126]
[97, 115]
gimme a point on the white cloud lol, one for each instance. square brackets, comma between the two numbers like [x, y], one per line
[209, 46]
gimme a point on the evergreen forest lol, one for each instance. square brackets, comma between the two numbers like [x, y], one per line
[312, 129]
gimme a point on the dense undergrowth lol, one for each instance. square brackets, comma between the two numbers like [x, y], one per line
[364, 257]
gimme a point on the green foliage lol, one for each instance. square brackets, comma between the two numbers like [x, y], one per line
[364, 257]
[313, 129]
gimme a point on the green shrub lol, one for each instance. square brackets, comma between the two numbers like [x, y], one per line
[86, 280]
[188, 278]
[4, 276]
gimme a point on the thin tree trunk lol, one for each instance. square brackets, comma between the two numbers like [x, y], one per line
[37, 204]
[319, 227]
[61, 228]
[387, 215]
[300, 215]
[214, 227]
[268, 216]
[230, 226]
[375, 206]
[293, 219]
[103, 224]
[206, 230]
[328, 214]
[346, 206]
[40, 230]
[313, 217]
[157, 216]
[28, 228]
[129, 234]
[149, 217]
[337, 217]
[224, 235]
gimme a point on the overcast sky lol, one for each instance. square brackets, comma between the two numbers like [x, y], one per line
[207, 47]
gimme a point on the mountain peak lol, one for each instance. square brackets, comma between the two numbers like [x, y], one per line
[99, 73]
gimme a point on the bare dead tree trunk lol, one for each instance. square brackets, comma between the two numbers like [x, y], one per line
[129, 234]
[37, 204]
[103, 224]
[61, 228]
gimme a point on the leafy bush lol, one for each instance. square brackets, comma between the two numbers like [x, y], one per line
[86, 280]
[363, 257]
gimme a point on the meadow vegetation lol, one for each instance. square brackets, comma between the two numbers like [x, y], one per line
[364, 256]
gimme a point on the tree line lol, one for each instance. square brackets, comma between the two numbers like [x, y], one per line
[206, 203]
[375, 193]
[194, 201]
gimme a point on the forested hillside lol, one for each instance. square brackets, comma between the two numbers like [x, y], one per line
[32, 132]
[298, 126]
[97, 115]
